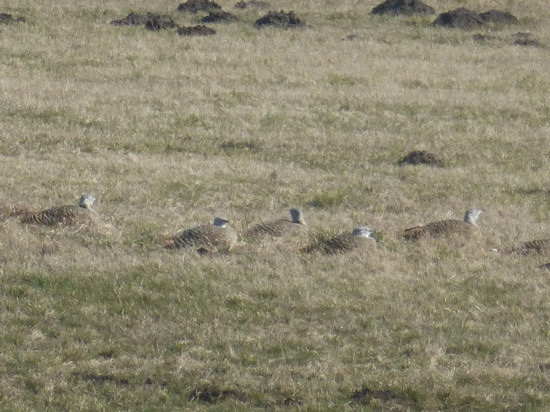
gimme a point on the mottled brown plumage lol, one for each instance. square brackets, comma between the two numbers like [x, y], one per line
[360, 237]
[219, 236]
[65, 215]
[541, 247]
[445, 228]
[281, 227]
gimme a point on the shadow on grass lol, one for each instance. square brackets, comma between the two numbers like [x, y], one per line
[366, 396]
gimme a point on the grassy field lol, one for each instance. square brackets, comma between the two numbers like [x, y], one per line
[169, 132]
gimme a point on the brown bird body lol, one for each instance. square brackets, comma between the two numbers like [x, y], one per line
[296, 225]
[445, 228]
[219, 236]
[345, 242]
[541, 247]
[64, 215]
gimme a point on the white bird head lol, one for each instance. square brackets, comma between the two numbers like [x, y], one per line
[472, 215]
[86, 201]
[363, 231]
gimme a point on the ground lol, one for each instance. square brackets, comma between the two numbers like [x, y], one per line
[171, 131]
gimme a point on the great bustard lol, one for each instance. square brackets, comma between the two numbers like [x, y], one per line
[219, 236]
[82, 213]
[444, 228]
[296, 225]
[541, 246]
[360, 237]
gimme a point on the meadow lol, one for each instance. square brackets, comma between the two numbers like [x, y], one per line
[170, 131]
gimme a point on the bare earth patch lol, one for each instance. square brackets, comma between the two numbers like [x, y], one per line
[198, 30]
[252, 4]
[517, 39]
[367, 396]
[403, 7]
[498, 17]
[194, 6]
[419, 157]
[212, 394]
[279, 19]
[100, 378]
[466, 19]
[132, 19]
[8, 18]
[461, 18]
[159, 22]
[151, 21]
[480, 37]
[219, 16]
[526, 39]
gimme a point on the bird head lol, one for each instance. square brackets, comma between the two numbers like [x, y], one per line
[86, 201]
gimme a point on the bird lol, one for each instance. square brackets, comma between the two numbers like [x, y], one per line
[83, 213]
[219, 236]
[446, 228]
[540, 246]
[281, 227]
[361, 236]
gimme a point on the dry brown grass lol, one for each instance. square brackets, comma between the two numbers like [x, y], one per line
[169, 132]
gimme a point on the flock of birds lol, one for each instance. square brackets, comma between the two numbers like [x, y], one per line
[221, 236]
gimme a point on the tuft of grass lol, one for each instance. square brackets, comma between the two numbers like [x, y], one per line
[326, 199]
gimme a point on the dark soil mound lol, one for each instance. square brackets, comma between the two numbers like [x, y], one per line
[132, 19]
[404, 400]
[403, 7]
[479, 37]
[194, 6]
[8, 18]
[279, 19]
[196, 31]
[212, 394]
[461, 18]
[159, 22]
[252, 3]
[528, 43]
[418, 157]
[150, 20]
[498, 17]
[219, 16]
[525, 39]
